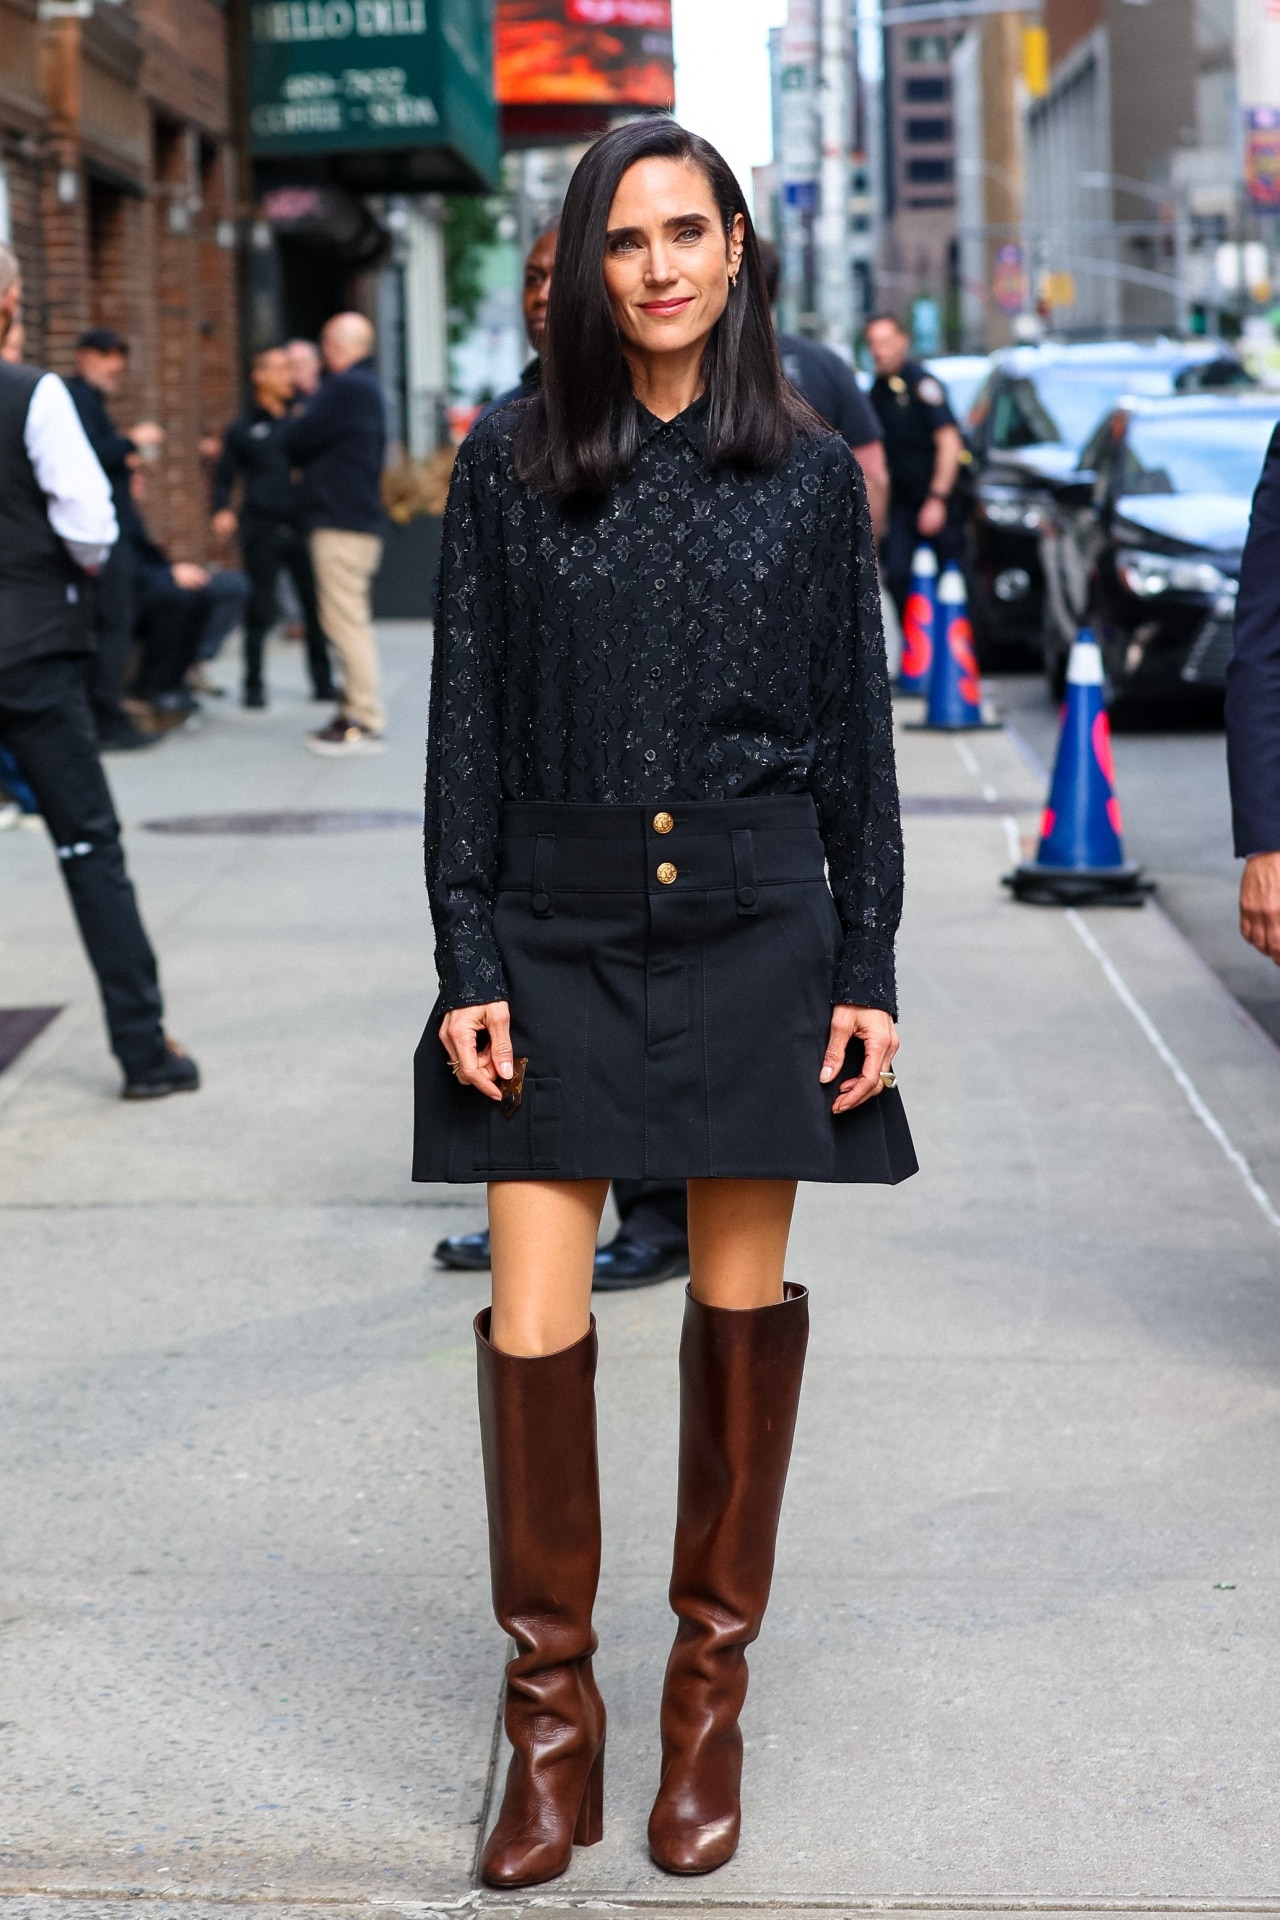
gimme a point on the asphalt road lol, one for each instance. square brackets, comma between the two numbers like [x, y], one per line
[1172, 784]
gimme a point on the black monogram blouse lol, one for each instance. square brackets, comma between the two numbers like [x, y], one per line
[698, 635]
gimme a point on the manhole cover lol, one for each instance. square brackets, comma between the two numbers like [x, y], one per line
[331, 822]
[961, 803]
[19, 1026]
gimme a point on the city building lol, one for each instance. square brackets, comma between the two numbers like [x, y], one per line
[118, 190]
[1132, 168]
[917, 269]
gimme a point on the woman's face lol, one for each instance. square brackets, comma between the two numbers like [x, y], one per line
[666, 260]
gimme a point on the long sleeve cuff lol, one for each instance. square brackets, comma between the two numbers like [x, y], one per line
[470, 971]
[865, 975]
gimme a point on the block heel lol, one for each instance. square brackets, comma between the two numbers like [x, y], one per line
[589, 1831]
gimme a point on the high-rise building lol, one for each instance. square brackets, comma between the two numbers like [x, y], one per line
[918, 253]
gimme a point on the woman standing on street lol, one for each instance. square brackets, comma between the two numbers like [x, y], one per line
[659, 721]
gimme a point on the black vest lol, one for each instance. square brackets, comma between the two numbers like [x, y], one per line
[40, 585]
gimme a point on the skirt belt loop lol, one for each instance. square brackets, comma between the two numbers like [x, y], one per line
[544, 854]
[744, 870]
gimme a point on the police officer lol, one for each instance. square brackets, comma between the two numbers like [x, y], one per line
[57, 526]
[821, 376]
[923, 449]
[270, 522]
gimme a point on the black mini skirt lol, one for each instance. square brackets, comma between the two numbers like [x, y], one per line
[670, 973]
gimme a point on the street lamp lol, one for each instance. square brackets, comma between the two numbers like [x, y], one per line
[1158, 195]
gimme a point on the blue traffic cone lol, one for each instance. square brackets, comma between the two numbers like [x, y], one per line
[919, 617]
[1081, 858]
[955, 693]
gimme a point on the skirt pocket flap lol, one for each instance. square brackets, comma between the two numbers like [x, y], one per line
[528, 1140]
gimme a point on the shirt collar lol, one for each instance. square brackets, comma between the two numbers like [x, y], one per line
[692, 423]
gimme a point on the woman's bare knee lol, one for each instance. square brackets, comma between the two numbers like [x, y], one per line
[738, 1240]
[542, 1236]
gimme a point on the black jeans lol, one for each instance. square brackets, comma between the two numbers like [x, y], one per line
[655, 1211]
[46, 722]
[113, 622]
[901, 540]
[266, 546]
[172, 622]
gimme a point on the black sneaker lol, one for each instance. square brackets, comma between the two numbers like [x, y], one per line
[465, 1252]
[626, 1263]
[174, 1072]
[254, 696]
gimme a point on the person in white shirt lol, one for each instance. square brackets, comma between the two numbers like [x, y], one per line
[57, 527]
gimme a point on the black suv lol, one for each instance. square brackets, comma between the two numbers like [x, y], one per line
[1026, 428]
[1144, 545]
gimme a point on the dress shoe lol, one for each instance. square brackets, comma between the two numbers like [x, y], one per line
[465, 1252]
[625, 1263]
[125, 737]
[173, 1072]
[254, 695]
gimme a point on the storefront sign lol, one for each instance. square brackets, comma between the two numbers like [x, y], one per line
[1009, 279]
[333, 76]
[576, 53]
[1262, 157]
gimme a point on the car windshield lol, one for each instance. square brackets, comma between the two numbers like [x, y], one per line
[1063, 404]
[961, 382]
[1208, 453]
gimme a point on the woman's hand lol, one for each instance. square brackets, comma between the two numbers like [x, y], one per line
[485, 1068]
[879, 1037]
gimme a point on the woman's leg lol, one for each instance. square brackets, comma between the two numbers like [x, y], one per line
[542, 1236]
[741, 1362]
[536, 1354]
[738, 1240]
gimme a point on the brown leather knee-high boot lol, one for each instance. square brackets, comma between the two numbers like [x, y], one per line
[538, 1433]
[740, 1376]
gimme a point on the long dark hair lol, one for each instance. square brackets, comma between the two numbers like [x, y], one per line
[581, 434]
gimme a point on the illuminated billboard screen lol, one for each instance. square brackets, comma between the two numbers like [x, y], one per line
[588, 56]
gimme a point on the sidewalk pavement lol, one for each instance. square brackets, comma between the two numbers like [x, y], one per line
[1026, 1622]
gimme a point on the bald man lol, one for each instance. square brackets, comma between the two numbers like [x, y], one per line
[339, 440]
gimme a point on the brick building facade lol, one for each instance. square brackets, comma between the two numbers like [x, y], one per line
[118, 189]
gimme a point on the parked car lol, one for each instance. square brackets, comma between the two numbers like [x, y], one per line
[960, 375]
[1026, 428]
[1144, 543]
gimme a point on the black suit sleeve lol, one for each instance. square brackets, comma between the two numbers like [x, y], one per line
[111, 446]
[325, 416]
[229, 463]
[1253, 677]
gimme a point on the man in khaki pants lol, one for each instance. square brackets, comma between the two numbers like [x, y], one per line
[339, 440]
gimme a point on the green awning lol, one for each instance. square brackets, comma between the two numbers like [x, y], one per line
[408, 79]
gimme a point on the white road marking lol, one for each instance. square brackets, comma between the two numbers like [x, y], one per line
[1014, 839]
[1207, 1118]
[969, 761]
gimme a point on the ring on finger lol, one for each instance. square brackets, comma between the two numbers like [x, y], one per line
[454, 1067]
[888, 1078]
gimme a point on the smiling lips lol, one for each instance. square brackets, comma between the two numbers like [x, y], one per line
[661, 308]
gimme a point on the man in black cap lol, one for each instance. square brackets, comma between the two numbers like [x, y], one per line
[102, 357]
[270, 522]
[57, 527]
[923, 448]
